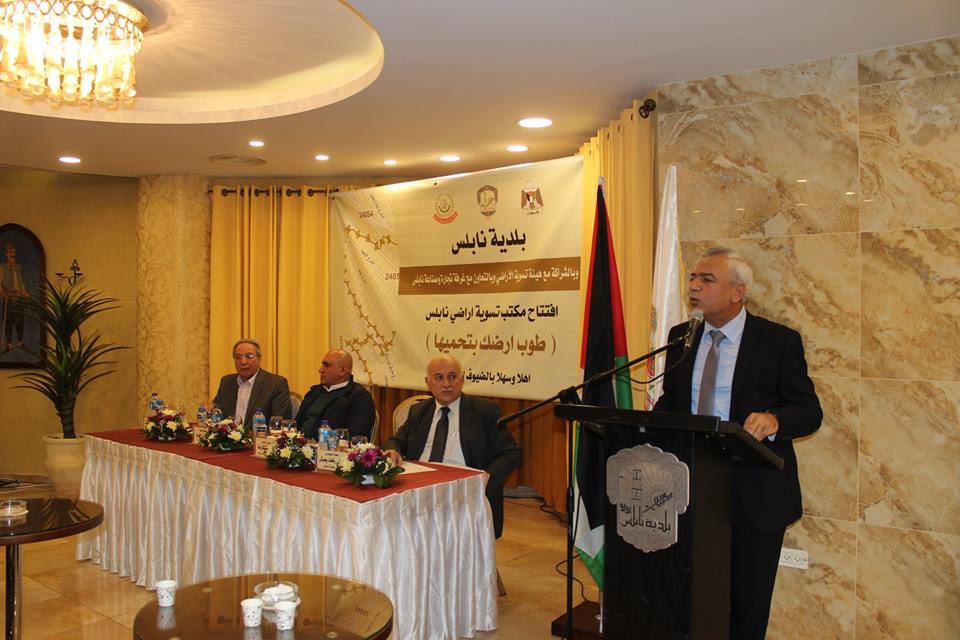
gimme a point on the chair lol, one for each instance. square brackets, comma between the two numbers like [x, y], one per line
[401, 411]
[295, 401]
[376, 426]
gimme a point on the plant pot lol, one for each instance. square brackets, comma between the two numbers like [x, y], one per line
[65, 460]
[368, 479]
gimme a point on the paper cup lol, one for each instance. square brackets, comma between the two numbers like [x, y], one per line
[166, 592]
[252, 611]
[286, 615]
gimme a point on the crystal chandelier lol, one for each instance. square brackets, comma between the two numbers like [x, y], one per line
[70, 51]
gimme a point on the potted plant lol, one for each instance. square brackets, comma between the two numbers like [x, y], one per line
[70, 359]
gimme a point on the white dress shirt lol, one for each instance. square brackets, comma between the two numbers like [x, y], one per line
[729, 348]
[334, 387]
[453, 453]
[244, 389]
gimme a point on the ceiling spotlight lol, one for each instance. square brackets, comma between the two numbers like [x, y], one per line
[535, 123]
[322, 157]
[450, 158]
[256, 143]
[389, 163]
[69, 160]
[516, 148]
[802, 180]
[850, 193]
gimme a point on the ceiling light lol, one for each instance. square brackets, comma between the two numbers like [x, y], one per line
[389, 163]
[517, 148]
[72, 51]
[256, 143]
[535, 123]
[850, 193]
[450, 158]
[69, 160]
[802, 180]
[322, 157]
[801, 204]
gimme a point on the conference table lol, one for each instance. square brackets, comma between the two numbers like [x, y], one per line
[173, 510]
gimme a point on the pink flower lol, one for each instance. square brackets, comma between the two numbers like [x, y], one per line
[369, 458]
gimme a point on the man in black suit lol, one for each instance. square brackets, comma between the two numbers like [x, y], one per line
[252, 388]
[759, 380]
[337, 399]
[457, 429]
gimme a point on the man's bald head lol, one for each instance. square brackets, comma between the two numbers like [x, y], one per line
[337, 367]
[444, 378]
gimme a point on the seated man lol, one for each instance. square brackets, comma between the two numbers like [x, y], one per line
[458, 429]
[337, 399]
[252, 388]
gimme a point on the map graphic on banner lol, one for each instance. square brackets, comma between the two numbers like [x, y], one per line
[484, 267]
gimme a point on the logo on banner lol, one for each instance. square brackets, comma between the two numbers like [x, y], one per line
[487, 197]
[531, 201]
[444, 211]
[649, 488]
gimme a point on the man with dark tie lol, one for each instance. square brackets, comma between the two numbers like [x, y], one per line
[751, 371]
[337, 399]
[457, 429]
[252, 388]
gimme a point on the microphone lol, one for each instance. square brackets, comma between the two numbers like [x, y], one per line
[696, 319]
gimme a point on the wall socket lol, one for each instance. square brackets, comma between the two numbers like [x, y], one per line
[794, 558]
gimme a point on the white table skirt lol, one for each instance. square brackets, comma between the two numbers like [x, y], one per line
[431, 550]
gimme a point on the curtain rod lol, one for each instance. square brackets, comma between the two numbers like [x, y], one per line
[257, 191]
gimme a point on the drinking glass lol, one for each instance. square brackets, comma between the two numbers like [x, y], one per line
[356, 441]
[276, 425]
[343, 439]
[290, 427]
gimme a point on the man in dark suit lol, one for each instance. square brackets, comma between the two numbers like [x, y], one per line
[337, 399]
[252, 388]
[751, 371]
[457, 429]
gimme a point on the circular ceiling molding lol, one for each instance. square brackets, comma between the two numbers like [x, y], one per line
[207, 61]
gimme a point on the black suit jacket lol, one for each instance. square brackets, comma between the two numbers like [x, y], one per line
[270, 394]
[486, 444]
[770, 375]
[352, 408]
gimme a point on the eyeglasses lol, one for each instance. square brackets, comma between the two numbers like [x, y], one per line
[244, 356]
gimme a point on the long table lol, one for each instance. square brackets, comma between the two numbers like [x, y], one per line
[175, 510]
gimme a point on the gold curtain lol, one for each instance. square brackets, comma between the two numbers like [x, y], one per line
[268, 278]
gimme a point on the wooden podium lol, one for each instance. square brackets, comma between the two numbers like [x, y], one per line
[681, 592]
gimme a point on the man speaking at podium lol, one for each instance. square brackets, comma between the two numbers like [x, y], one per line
[751, 371]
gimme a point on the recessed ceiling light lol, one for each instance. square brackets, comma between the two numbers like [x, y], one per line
[517, 148]
[389, 163]
[69, 159]
[802, 180]
[801, 204]
[450, 158]
[850, 193]
[740, 209]
[256, 143]
[535, 123]
[322, 157]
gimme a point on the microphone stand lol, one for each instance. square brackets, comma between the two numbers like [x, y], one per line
[570, 396]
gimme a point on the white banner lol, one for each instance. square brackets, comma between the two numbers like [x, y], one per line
[483, 266]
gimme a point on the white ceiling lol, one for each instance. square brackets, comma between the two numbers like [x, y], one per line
[454, 76]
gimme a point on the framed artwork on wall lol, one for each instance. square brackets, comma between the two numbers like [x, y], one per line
[22, 273]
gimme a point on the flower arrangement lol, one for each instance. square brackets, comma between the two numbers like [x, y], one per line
[166, 425]
[292, 451]
[225, 435]
[366, 464]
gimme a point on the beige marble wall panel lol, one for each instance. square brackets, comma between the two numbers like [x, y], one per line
[910, 455]
[910, 154]
[808, 283]
[911, 304]
[788, 81]
[919, 60]
[173, 298]
[828, 459]
[739, 167]
[819, 602]
[907, 584]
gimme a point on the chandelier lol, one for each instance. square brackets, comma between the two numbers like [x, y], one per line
[70, 51]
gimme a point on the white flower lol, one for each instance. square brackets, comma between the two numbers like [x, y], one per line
[346, 466]
[285, 452]
[308, 451]
[365, 446]
[168, 412]
[388, 464]
[235, 435]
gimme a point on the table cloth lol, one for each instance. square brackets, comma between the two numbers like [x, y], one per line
[175, 510]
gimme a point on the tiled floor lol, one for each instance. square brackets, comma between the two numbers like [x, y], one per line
[66, 599]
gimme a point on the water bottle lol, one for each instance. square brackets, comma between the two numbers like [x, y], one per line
[323, 434]
[154, 404]
[216, 415]
[259, 422]
[201, 414]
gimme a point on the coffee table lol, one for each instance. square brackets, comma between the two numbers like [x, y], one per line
[330, 608]
[46, 519]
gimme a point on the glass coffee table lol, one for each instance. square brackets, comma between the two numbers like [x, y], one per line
[45, 519]
[330, 609]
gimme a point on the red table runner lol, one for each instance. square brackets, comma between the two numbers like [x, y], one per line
[322, 481]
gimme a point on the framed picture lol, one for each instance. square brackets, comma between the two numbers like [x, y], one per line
[22, 272]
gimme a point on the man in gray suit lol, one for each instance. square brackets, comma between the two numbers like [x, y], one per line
[457, 429]
[252, 388]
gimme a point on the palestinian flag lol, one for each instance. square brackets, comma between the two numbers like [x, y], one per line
[604, 345]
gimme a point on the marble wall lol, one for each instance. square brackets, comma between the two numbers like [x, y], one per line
[839, 179]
